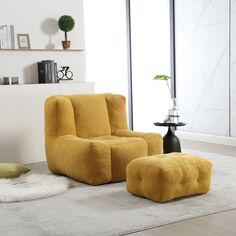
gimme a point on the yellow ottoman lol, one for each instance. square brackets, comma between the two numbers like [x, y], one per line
[164, 177]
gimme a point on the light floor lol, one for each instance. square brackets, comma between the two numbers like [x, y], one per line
[219, 224]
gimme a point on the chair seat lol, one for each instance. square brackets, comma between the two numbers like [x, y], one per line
[123, 150]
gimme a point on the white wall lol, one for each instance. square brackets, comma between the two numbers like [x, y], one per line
[39, 20]
[22, 119]
[202, 65]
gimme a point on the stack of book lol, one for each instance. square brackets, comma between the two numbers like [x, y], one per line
[47, 72]
[7, 40]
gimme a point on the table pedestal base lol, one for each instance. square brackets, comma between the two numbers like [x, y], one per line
[171, 142]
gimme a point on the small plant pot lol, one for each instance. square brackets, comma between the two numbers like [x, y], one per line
[65, 44]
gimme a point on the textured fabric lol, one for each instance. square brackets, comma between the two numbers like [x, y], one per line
[91, 115]
[154, 140]
[80, 159]
[123, 150]
[116, 106]
[12, 170]
[59, 116]
[164, 177]
[30, 187]
[79, 143]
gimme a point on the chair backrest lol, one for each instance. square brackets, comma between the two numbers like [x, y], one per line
[85, 115]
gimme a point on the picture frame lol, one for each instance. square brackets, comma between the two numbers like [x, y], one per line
[23, 41]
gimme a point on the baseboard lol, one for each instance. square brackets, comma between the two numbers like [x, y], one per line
[207, 143]
[214, 139]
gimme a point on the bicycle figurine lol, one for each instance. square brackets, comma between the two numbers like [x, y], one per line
[64, 72]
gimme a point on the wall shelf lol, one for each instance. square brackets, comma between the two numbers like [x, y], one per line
[42, 50]
[8, 86]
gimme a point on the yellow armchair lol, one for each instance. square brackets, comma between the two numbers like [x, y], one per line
[87, 138]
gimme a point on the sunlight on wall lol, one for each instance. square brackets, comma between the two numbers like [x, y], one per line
[106, 54]
[106, 48]
[151, 56]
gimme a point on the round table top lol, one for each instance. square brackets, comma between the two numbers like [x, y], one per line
[169, 124]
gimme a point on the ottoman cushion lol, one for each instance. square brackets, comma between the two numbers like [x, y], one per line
[168, 176]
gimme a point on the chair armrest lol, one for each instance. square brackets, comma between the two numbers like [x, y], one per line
[85, 160]
[154, 140]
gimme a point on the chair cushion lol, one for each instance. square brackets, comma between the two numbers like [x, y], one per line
[154, 140]
[123, 150]
[59, 116]
[91, 115]
[116, 106]
[12, 170]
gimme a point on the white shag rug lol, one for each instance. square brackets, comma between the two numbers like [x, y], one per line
[31, 186]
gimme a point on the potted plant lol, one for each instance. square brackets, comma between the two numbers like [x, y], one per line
[173, 115]
[165, 78]
[66, 23]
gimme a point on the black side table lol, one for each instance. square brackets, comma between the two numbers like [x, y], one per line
[171, 141]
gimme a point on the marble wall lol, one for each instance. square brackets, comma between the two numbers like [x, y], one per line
[202, 65]
[233, 69]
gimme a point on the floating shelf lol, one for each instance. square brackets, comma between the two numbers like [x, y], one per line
[43, 50]
[14, 86]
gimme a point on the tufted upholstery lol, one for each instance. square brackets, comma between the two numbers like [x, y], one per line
[87, 139]
[164, 177]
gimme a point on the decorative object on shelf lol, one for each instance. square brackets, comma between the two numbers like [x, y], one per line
[7, 40]
[47, 72]
[14, 80]
[5, 81]
[9, 80]
[173, 114]
[66, 23]
[64, 74]
[23, 41]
